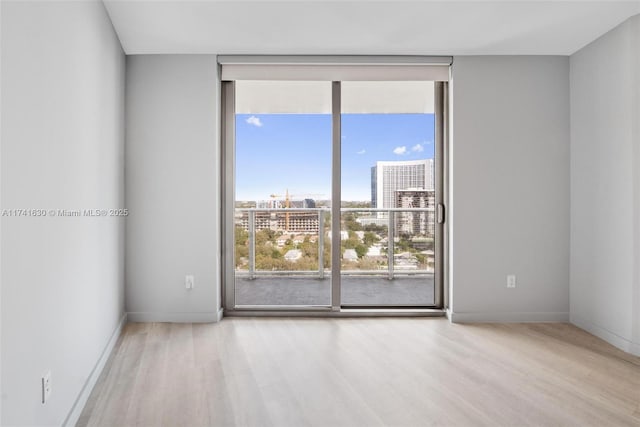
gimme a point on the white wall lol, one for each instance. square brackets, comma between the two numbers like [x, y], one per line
[173, 187]
[635, 346]
[605, 186]
[1, 395]
[62, 148]
[510, 188]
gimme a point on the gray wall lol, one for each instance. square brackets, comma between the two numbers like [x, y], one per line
[173, 191]
[62, 148]
[510, 188]
[605, 186]
[635, 345]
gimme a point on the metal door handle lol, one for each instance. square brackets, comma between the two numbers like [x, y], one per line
[440, 213]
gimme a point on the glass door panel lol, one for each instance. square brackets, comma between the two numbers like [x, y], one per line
[282, 193]
[388, 194]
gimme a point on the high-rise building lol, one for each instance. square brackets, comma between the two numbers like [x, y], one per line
[416, 223]
[387, 177]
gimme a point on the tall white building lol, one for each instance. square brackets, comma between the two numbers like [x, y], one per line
[389, 177]
[416, 223]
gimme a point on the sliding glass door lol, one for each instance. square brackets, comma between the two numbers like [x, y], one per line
[282, 194]
[333, 194]
[388, 194]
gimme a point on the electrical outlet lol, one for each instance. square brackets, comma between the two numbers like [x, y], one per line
[189, 282]
[511, 281]
[46, 387]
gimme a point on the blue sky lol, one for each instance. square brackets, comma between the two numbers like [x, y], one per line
[276, 152]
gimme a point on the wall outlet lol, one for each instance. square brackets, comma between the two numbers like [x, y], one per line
[46, 386]
[189, 282]
[511, 281]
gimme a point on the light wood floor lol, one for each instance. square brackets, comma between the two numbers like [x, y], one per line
[364, 372]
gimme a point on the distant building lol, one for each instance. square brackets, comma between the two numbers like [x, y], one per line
[405, 261]
[415, 223]
[377, 220]
[375, 250]
[282, 204]
[350, 255]
[282, 240]
[269, 204]
[302, 204]
[293, 255]
[288, 222]
[299, 222]
[389, 177]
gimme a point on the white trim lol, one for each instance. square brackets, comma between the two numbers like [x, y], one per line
[220, 314]
[334, 60]
[1, 391]
[508, 317]
[305, 72]
[81, 400]
[334, 68]
[203, 317]
[342, 313]
[605, 334]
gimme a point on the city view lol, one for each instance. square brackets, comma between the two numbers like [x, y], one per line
[290, 233]
[283, 236]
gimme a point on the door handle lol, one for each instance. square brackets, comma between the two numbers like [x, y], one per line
[440, 213]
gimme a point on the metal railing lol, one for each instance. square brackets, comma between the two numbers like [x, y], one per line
[388, 215]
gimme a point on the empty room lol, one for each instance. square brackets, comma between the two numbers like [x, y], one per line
[319, 213]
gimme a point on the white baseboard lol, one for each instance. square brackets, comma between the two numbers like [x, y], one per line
[635, 349]
[81, 400]
[204, 317]
[449, 314]
[605, 334]
[495, 317]
[220, 314]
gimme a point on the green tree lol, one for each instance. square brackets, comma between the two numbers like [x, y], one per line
[370, 238]
[350, 243]
[265, 235]
[403, 245]
[241, 245]
[422, 259]
[326, 255]
[241, 236]
[309, 249]
[361, 250]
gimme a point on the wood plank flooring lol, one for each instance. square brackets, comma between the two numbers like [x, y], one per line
[364, 372]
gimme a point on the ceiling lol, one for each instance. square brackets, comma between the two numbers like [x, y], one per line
[364, 27]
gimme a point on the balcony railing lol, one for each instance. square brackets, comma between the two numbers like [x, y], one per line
[302, 221]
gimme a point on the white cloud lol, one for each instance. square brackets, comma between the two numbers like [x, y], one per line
[255, 121]
[418, 148]
[362, 151]
[400, 150]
